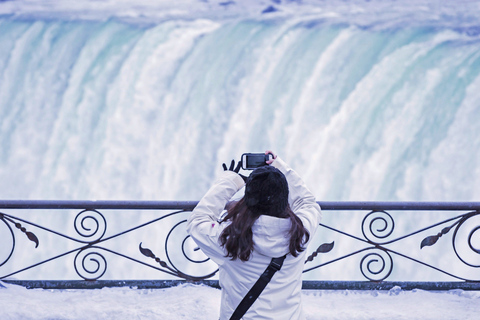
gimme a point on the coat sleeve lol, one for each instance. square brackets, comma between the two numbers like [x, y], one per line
[301, 200]
[202, 225]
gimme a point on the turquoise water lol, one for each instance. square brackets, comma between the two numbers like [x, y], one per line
[112, 110]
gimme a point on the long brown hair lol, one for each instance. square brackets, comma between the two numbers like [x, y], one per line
[237, 237]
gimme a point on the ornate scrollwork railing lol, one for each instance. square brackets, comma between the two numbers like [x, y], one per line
[377, 237]
[89, 261]
[378, 225]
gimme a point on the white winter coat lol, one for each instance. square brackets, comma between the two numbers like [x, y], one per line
[281, 299]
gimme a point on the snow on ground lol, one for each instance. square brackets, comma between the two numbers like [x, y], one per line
[202, 302]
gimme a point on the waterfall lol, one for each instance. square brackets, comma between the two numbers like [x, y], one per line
[110, 110]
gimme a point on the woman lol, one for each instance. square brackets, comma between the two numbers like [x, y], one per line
[276, 217]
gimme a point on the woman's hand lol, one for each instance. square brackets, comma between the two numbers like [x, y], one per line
[274, 156]
[232, 166]
[235, 169]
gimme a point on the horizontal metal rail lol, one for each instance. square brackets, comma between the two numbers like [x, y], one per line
[190, 205]
[306, 285]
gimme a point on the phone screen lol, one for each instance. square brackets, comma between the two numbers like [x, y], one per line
[255, 160]
[252, 161]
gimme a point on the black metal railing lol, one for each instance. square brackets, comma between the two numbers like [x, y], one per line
[363, 232]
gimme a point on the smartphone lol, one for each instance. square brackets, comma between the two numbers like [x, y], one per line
[252, 161]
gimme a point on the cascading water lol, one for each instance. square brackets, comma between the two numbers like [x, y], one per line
[363, 106]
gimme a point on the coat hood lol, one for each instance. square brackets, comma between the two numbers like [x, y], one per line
[270, 236]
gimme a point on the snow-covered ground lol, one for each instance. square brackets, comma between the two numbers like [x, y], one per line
[202, 302]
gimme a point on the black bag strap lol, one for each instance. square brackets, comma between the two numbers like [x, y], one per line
[252, 295]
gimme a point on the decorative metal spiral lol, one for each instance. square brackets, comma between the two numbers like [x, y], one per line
[190, 250]
[466, 239]
[376, 266]
[89, 264]
[377, 225]
[90, 224]
[187, 255]
[2, 262]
